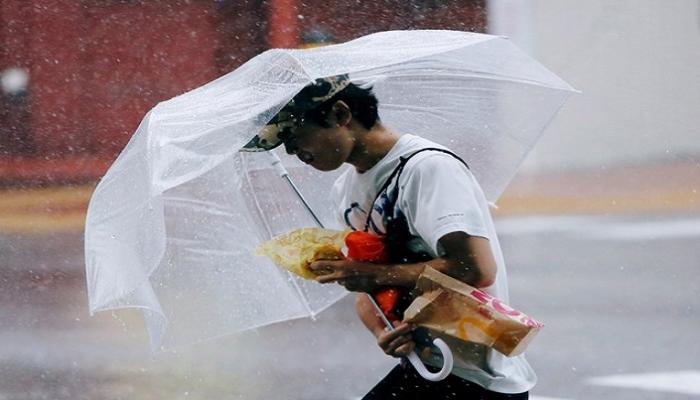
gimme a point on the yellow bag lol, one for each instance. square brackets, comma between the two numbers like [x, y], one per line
[295, 250]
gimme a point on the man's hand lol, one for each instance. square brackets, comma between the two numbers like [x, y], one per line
[399, 342]
[355, 276]
[467, 258]
[396, 343]
[361, 276]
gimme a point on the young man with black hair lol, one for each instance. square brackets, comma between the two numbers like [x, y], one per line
[424, 200]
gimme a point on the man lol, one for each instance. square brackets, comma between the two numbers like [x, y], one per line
[429, 208]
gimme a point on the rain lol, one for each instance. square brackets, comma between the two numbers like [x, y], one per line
[137, 111]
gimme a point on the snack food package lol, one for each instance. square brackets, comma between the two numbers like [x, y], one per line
[447, 306]
[295, 250]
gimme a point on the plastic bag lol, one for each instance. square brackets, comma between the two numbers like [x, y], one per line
[294, 251]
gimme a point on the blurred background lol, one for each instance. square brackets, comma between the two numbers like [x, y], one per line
[600, 229]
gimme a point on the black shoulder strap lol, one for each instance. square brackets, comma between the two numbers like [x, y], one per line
[396, 173]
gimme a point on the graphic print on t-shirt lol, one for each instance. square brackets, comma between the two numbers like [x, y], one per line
[355, 216]
[356, 219]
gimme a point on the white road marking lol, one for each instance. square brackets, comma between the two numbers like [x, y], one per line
[543, 224]
[686, 382]
[596, 227]
[668, 229]
[529, 397]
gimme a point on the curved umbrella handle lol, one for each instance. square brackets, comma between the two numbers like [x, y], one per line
[447, 365]
[448, 360]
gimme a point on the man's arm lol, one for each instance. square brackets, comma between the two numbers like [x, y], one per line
[369, 315]
[467, 258]
[398, 342]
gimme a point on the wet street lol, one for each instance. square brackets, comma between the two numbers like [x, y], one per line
[620, 297]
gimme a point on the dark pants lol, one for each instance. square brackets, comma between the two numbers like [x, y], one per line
[403, 382]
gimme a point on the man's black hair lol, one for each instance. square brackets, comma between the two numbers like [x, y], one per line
[362, 103]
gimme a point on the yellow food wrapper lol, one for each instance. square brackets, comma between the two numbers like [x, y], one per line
[295, 250]
[452, 309]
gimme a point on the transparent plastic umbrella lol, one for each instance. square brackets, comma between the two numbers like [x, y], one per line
[172, 226]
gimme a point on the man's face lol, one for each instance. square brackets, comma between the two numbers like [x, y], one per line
[323, 148]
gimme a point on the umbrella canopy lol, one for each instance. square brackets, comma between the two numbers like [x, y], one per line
[172, 226]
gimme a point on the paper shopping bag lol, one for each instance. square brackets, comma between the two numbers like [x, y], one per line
[449, 307]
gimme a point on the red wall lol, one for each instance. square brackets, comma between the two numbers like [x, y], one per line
[97, 66]
[347, 20]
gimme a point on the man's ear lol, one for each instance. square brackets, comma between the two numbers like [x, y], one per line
[340, 114]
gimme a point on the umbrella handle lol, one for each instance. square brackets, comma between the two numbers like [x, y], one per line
[448, 362]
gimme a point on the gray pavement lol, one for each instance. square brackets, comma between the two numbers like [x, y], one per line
[618, 295]
[622, 305]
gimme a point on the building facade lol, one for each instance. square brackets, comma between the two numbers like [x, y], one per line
[78, 75]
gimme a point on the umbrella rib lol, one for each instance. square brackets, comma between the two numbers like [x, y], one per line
[303, 200]
[258, 208]
[269, 233]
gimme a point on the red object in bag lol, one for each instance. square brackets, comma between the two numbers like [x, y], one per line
[365, 246]
[387, 298]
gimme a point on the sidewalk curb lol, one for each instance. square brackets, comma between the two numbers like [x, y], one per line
[666, 189]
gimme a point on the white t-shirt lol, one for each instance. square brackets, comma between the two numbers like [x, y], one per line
[437, 195]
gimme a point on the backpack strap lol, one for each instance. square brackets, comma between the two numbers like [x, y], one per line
[396, 173]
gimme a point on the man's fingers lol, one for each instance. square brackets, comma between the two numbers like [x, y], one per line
[321, 265]
[397, 324]
[405, 349]
[398, 342]
[328, 265]
[330, 274]
[425, 353]
[321, 271]
[331, 277]
[392, 334]
[350, 267]
[387, 337]
[400, 346]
